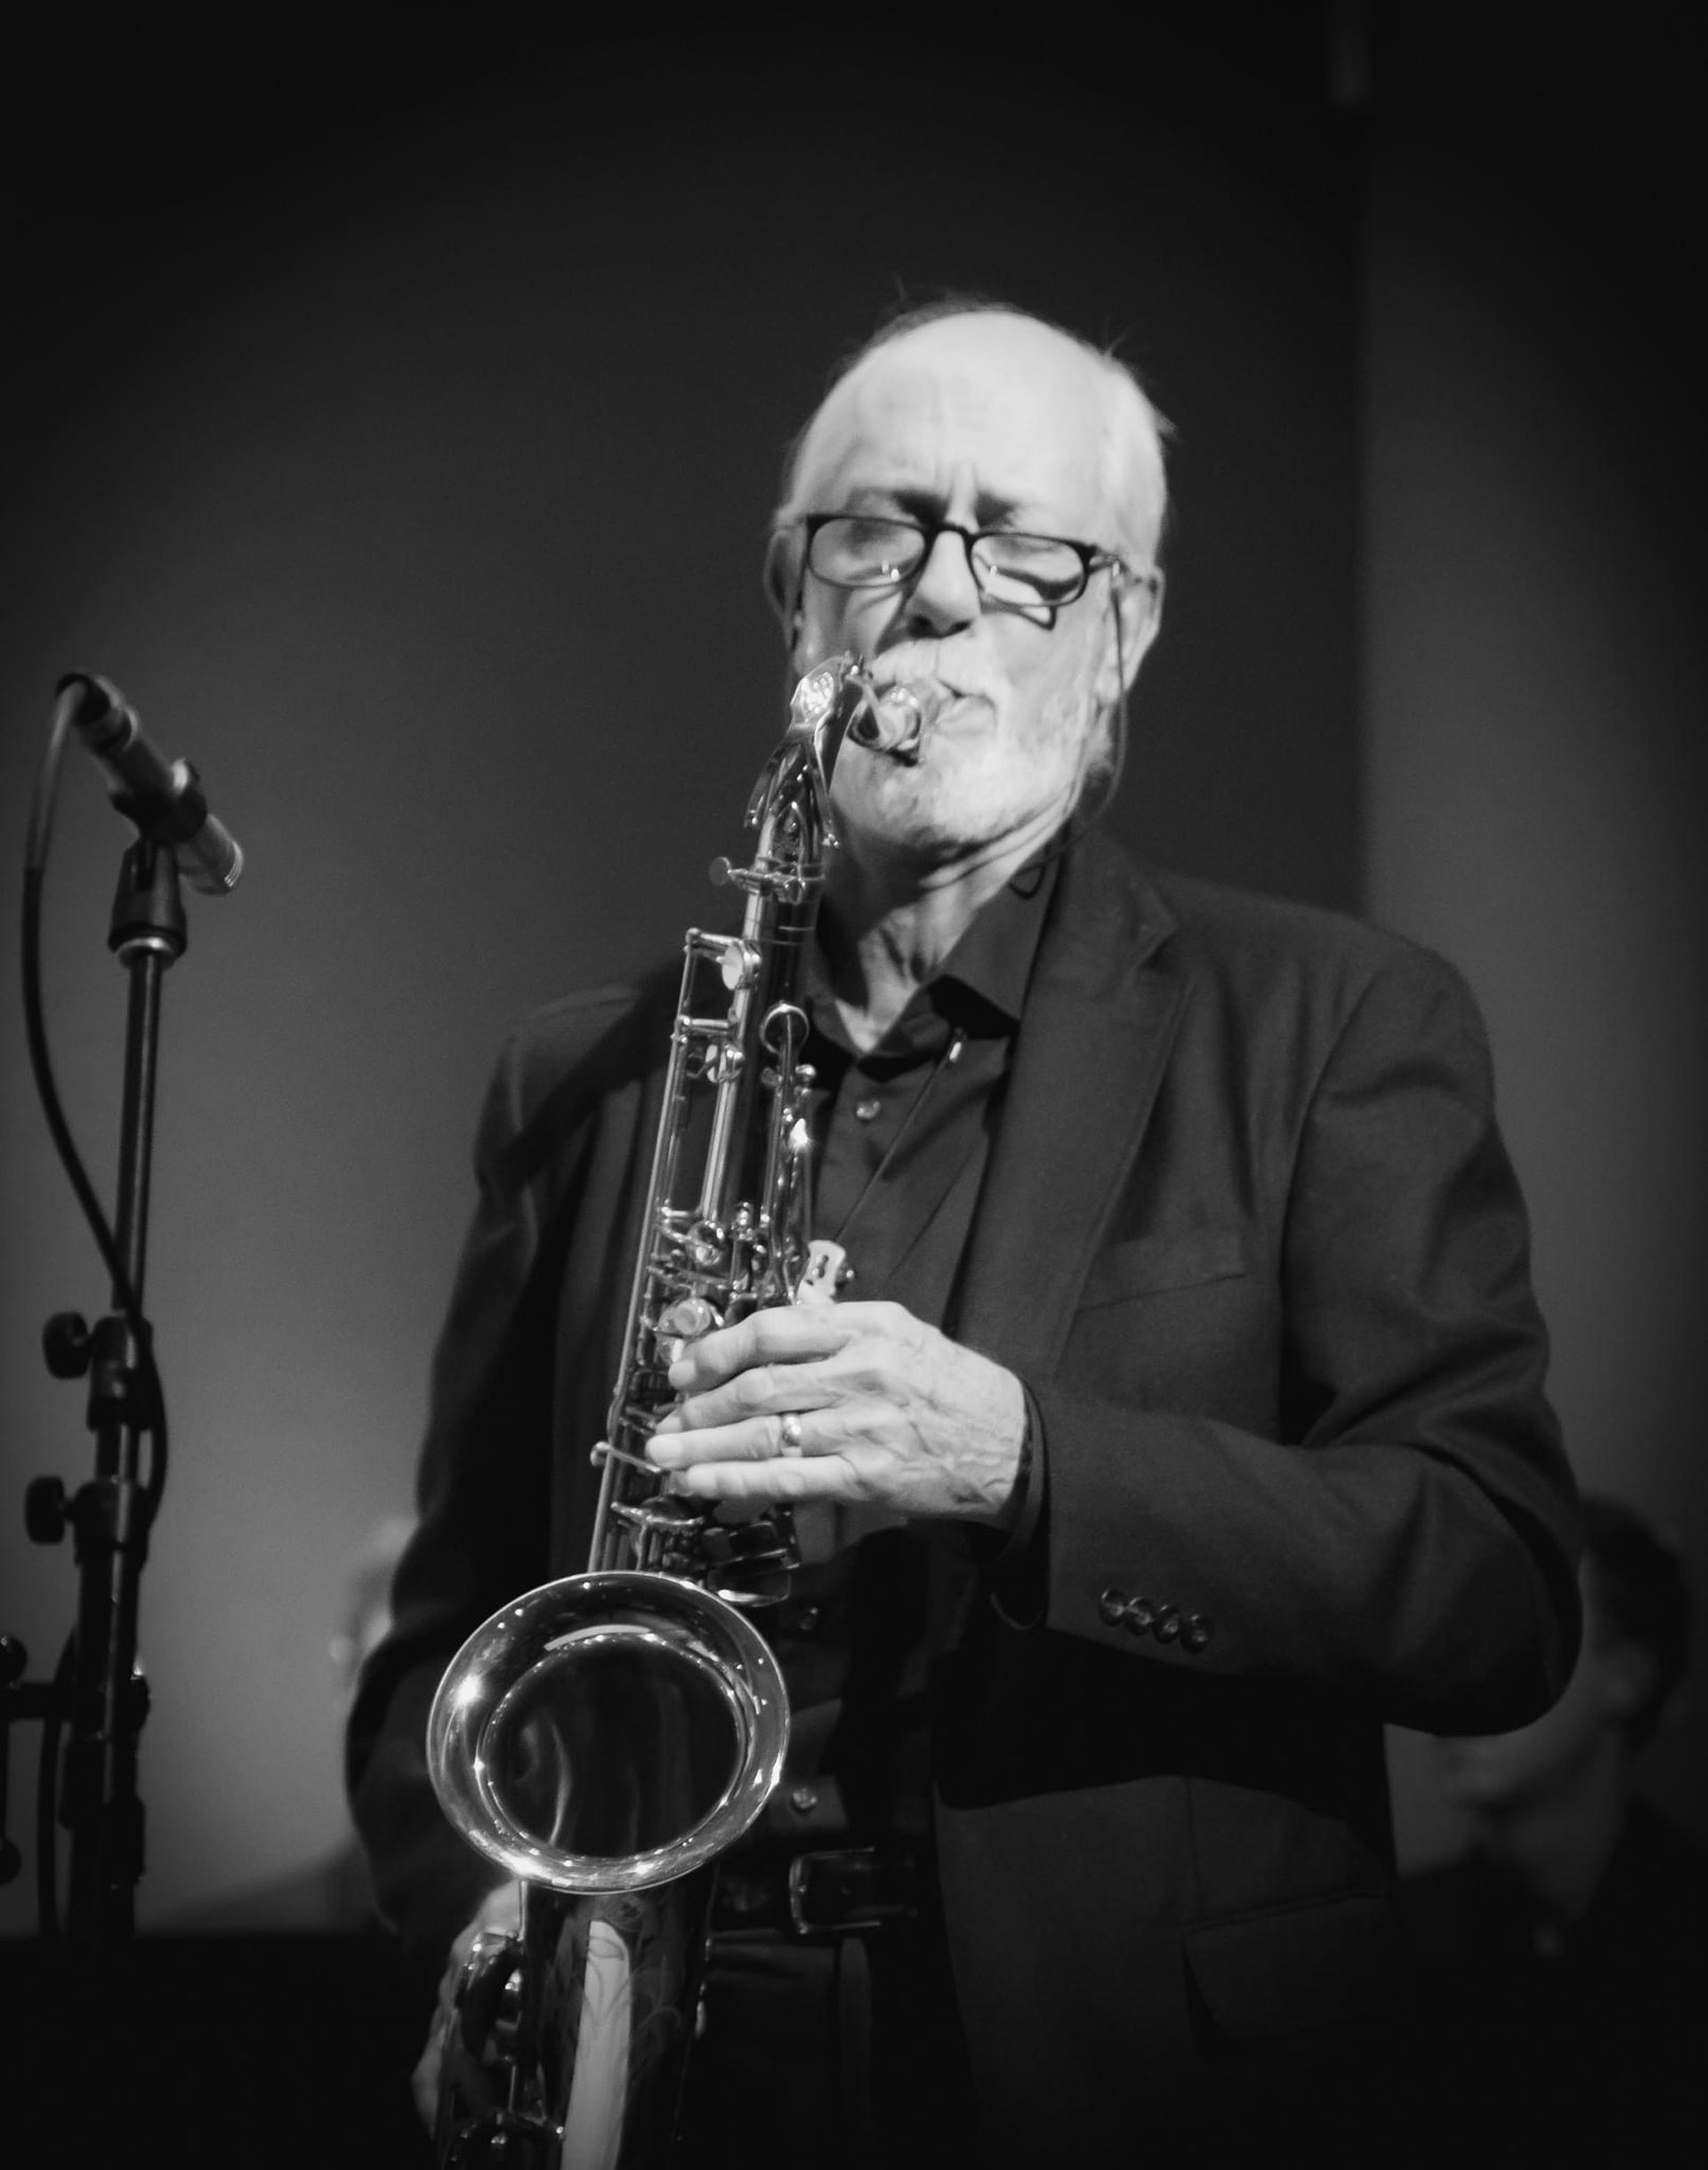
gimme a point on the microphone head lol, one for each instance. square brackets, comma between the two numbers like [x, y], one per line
[212, 861]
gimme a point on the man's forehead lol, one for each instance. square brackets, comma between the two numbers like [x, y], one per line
[1010, 400]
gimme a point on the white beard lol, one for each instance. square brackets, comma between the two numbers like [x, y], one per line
[976, 783]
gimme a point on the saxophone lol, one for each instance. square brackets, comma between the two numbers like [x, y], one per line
[605, 1739]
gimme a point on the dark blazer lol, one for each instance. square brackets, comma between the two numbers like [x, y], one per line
[1249, 1235]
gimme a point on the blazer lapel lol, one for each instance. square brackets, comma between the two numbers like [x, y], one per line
[1098, 1023]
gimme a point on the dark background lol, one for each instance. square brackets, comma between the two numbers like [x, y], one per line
[394, 403]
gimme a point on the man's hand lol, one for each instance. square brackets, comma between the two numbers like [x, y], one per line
[501, 1911]
[858, 1403]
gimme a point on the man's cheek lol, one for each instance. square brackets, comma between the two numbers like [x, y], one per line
[843, 625]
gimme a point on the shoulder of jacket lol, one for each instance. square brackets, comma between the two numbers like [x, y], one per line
[1243, 933]
[579, 1019]
[603, 1035]
[1296, 968]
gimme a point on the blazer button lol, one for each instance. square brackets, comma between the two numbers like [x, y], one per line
[1112, 1607]
[1195, 1631]
[804, 1800]
[806, 1620]
[1140, 1615]
[1168, 1623]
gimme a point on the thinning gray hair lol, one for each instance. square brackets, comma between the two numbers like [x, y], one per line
[1135, 486]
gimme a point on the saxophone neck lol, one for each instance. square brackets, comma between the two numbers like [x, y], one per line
[835, 701]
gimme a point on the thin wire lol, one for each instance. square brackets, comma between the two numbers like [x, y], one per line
[951, 1053]
[1123, 716]
[36, 851]
[1079, 824]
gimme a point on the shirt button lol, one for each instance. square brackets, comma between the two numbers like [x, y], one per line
[867, 1110]
[806, 1620]
[804, 1800]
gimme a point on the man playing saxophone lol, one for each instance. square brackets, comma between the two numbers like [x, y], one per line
[1179, 1418]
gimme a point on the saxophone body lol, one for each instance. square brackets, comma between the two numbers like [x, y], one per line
[605, 1739]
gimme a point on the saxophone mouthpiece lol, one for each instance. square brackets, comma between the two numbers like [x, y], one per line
[892, 720]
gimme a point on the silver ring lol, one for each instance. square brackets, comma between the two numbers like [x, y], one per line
[789, 1434]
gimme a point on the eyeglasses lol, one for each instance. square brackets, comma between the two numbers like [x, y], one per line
[859, 550]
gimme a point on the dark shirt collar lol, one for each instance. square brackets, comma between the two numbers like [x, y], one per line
[979, 986]
[993, 959]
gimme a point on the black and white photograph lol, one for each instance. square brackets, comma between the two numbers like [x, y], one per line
[854, 1060]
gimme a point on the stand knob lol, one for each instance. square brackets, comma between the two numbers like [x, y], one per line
[45, 1512]
[65, 1344]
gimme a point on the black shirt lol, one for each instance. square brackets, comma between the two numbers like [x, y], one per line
[905, 1133]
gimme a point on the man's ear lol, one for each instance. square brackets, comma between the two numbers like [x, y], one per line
[782, 577]
[1140, 604]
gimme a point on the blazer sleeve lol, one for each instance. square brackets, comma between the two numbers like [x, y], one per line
[481, 1537]
[1407, 1540]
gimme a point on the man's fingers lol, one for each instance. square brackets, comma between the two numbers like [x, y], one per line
[768, 1391]
[785, 1334]
[499, 1913]
[823, 1477]
[753, 1439]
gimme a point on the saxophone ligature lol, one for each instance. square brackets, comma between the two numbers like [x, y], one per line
[605, 1739]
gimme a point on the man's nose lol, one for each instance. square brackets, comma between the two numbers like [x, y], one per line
[944, 593]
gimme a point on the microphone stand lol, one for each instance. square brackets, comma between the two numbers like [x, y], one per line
[100, 1698]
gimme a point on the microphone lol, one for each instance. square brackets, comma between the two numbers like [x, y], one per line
[165, 799]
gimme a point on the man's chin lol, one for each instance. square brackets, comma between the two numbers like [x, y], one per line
[925, 826]
[947, 805]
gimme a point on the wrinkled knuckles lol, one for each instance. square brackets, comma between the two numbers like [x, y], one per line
[761, 1440]
[902, 1326]
[889, 1381]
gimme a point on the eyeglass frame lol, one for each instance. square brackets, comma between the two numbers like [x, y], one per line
[1092, 557]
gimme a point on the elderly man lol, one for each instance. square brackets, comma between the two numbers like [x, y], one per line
[1179, 1419]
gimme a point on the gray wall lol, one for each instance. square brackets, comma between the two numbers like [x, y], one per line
[1533, 573]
